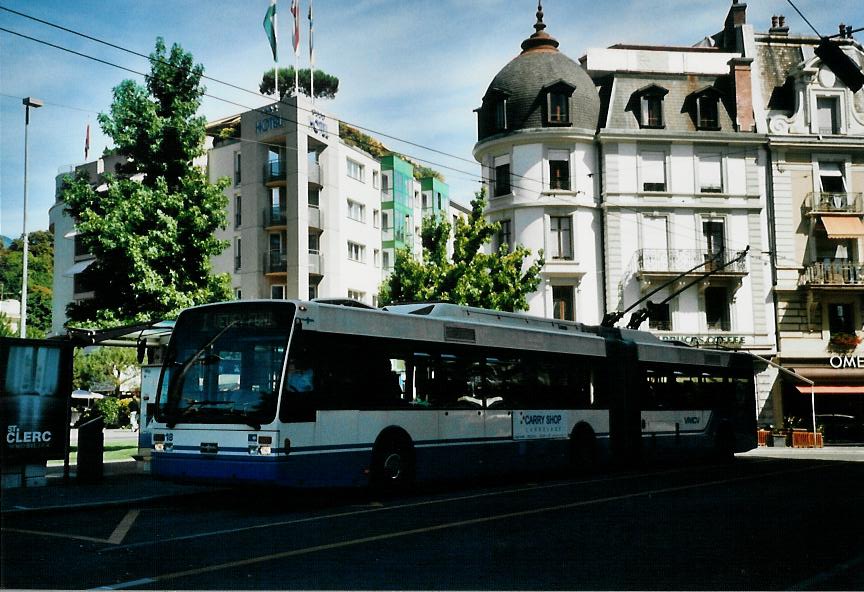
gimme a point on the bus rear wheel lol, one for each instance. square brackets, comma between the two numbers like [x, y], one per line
[392, 464]
[583, 450]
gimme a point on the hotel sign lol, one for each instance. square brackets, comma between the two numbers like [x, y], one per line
[269, 123]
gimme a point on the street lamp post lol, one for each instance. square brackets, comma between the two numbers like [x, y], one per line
[35, 103]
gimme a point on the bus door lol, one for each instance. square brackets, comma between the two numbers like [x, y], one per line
[672, 410]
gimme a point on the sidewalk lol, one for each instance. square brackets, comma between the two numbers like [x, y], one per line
[124, 482]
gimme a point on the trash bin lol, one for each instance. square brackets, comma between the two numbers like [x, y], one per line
[91, 445]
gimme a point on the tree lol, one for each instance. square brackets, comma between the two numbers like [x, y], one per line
[40, 274]
[103, 365]
[469, 277]
[153, 235]
[326, 85]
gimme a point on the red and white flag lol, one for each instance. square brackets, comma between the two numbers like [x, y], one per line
[295, 11]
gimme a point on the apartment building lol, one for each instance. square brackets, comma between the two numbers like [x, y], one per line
[309, 215]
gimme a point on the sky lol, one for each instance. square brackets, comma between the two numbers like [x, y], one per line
[410, 69]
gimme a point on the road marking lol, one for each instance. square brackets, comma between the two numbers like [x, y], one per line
[61, 535]
[141, 582]
[115, 539]
[450, 525]
[818, 581]
[376, 506]
[123, 528]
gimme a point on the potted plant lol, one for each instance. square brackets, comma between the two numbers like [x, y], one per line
[843, 342]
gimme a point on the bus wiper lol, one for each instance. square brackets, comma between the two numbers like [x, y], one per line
[176, 379]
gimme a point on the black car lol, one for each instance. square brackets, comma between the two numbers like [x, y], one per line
[841, 429]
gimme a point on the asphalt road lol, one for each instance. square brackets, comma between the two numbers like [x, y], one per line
[760, 523]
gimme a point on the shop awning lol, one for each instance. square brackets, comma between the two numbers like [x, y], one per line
[843, 226]
[828, 389]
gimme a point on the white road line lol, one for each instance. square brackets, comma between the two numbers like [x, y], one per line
[381, 508]
[449, 525]
[817, 581]
[123, 528]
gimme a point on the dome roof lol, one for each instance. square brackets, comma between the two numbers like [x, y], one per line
[525, 81]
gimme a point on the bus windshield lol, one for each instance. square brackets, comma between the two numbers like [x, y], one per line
[224, 364]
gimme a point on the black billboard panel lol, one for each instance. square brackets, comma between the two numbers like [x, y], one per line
[35, 378]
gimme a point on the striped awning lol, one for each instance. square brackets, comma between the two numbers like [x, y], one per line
[843, 226]
[828, 389]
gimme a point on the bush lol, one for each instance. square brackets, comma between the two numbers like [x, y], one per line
[109, 407]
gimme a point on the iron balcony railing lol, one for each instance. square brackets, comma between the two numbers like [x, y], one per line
[275, 216]
[275, 262]
[274, 171]
[680, 260]
[834, 273]
[845, 203]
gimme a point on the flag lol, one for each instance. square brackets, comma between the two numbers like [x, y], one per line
[270, 27]
[295, 10]
[87, 143]
[311, 48]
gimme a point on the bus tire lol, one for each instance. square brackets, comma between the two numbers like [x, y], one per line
[392, 462]
[583, 449]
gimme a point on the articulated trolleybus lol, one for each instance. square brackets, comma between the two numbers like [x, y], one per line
[318, 394]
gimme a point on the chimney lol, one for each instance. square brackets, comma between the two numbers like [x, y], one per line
[739, 70]
[735, 18]
[778, 26]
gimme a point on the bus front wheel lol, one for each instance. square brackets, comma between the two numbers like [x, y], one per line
[392, 463]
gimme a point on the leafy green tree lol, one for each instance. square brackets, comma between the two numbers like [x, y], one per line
[497, 280]
[103, 365]
[326, 85]
[40, 273]
[5, 326]
[152, 236]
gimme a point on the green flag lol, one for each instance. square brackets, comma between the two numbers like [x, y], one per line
[270, 27]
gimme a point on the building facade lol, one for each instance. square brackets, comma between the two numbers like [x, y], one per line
[308, 214]
[815, 129]
[710, 194]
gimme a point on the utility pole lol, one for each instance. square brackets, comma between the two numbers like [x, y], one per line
[35, 103]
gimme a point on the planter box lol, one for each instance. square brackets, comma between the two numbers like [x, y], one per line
[762, 437]
[802, 439]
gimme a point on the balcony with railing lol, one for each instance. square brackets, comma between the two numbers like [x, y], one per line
[316, 262]
[275, 262]
[822, 202]
[671, 262]
[275, 217]
[314, 174]
[314, 217]
[274, 171]
[834, 274]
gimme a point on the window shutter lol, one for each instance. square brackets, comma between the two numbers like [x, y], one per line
[710, 173]
[654, 167]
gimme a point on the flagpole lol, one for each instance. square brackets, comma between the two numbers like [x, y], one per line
[276, 57]
[295, 12]
[311, 58]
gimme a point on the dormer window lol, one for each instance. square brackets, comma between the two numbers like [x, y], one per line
[501, 114]
[559, 111]
[648, 101]
[704, 107]
[707, 113]
[558, 103]
[828, 115]
[493, 114]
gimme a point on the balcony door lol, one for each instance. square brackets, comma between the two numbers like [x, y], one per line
[713, 232]
[655, 243]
